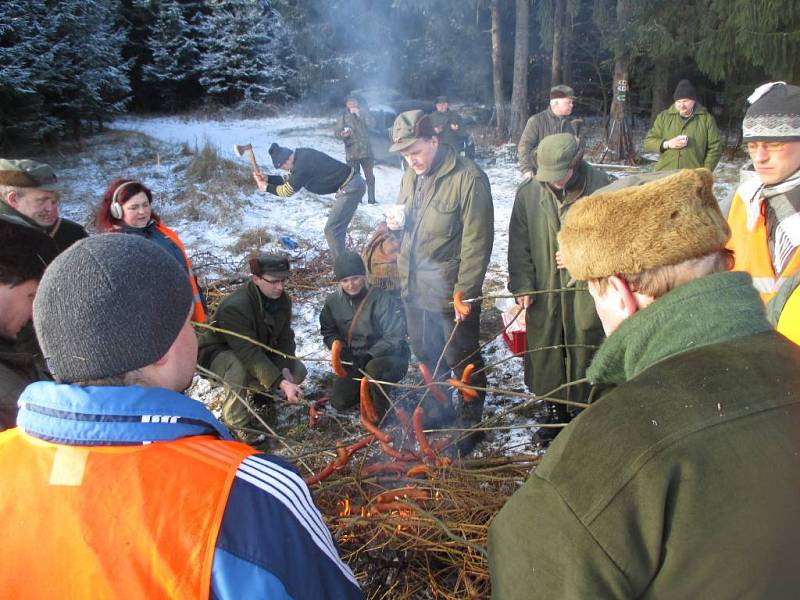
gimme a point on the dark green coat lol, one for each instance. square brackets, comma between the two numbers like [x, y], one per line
[704, 149]
[557, 318]
[17, 370]
[379, 331]
[64, 232]
[538, 127]
[680, 482]
[448, 135]
[448, 245]
[248, 312]
[357, 144]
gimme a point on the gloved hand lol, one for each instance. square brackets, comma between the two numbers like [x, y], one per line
[360, 361]
[346, 354]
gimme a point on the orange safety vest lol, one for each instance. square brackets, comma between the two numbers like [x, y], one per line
[751, 251]
[199, 313]
[789, 321]
[112, 521]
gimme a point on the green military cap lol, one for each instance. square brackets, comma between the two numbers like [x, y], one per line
[556, 155]
[27, 173]
[409, 127]
[273, 265]
[441, 99]
[561, 91]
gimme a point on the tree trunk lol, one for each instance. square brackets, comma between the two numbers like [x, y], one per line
[660, 90]
[618, 139]
[558, 44]
[519, 94]
[497, 71]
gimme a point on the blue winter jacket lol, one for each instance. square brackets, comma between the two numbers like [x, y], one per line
[272, 541]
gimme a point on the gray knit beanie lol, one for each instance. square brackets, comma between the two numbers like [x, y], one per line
[774, 114]
[109, 304]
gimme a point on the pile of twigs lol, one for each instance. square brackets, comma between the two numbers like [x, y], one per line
[412, 537]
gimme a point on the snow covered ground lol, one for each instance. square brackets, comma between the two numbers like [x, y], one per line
[217, 229]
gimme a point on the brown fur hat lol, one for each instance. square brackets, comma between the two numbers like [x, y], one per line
[631, 230]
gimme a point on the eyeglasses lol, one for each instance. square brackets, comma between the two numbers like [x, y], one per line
[768, 146]
[271, 281]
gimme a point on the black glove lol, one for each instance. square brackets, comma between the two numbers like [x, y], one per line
[360, 362]
[346, 354]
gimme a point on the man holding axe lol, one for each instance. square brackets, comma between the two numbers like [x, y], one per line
[320, 174]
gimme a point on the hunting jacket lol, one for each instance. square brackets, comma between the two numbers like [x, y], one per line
[557, 318]
[705, 146]
[248, 312]
[356, 145]
[64, 232]
[380, 329]
[448, 239]
[538, 127]
[17, 370]
[445, 120]
[681, 480]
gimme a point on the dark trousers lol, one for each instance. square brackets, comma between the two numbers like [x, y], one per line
[366, 165]
[428, 333]
[344, 207]
[346, 390]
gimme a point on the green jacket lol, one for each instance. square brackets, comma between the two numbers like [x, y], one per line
[680, 482]
[444, 121]
[564, 318]
[379, 331]
[17, 370]
[448, 240]
[538, 127]
[356, 145]
[64, 232]
[704, 149]
[248, 312]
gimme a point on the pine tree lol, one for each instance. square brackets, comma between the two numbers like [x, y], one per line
[247, 52]
[176, 59]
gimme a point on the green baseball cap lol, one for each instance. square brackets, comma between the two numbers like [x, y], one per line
[409, 127]
[556, 155]
[28, 173]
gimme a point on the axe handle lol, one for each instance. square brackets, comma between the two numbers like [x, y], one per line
[251, 155]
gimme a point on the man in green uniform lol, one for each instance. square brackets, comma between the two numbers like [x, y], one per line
[564, 319]
[685, 135]
[447, 124]
[262, 311]
[352, 127]
[681, 479]
[554, 119]
[29, 190]
[24, 252]
[446, 246]
[369, 324]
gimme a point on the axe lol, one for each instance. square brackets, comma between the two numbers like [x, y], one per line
[241, 149]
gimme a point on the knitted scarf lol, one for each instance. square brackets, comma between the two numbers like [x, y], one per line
[782, 217]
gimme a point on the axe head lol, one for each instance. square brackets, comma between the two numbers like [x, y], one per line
[240, 149]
